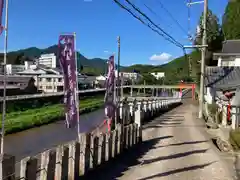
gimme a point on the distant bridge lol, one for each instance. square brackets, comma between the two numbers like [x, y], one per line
[185, 86]
[32, 96]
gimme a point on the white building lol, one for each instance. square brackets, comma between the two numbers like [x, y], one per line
[14, 68]
[158, 75]
[129, 75]
[50, 83]
[230, 55]
[48, 60]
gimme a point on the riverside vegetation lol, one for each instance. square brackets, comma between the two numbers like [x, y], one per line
[22, 120]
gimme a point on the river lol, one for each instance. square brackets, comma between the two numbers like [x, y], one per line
[33, 141]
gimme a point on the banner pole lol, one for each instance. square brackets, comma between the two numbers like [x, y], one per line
[76, 93]
[4, 80]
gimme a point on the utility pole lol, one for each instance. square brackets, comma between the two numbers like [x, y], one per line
[118, 69]
[204, 42]
[203, 47]
[144, 92]
[117, 88]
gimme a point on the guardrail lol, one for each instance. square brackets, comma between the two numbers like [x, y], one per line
[79, 157]
[31, 96]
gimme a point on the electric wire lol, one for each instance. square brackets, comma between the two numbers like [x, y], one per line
[171, 16]
[144, 15]
[148, 25]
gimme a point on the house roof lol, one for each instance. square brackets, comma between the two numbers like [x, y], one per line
[32, 71]
[15, 78]
[222, 77]
[231, 46]
[48, 69]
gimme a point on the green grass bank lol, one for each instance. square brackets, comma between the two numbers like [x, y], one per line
[22, 120]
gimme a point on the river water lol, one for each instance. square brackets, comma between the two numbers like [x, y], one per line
[33, 141]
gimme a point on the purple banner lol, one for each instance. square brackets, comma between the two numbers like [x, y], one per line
[1, 13]
[109, 96]
[68, 64]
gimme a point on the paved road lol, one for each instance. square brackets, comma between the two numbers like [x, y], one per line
[175, 147]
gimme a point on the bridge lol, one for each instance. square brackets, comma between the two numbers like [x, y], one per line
[180, 86]
[35, 96]
[154, 138]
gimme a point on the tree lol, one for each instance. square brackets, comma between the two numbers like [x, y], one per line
[231, 22]
[214, 32]
[214, 42]
[148, 78]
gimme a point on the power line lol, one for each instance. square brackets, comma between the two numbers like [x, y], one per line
[153, 12]
[144, 15]
[148, 25]
[168, 12]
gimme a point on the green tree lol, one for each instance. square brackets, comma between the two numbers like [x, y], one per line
[214, 42]
[148, 78]
[231, 20]
[214, 32]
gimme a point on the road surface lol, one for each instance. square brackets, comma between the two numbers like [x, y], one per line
[175, 147]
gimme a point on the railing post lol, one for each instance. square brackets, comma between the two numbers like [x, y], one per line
[235, 117]
[7, 167]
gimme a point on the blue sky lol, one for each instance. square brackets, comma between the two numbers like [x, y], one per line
[98, 23]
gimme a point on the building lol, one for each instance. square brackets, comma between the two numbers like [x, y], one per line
[14, 68]
[50, 83]
[128, 75]
[158, 75]
[50, 80]
[230, 55]
[220, 79]
[19, 84]
[49, 60]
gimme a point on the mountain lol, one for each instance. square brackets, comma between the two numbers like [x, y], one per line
[97, 65]
[177, 68]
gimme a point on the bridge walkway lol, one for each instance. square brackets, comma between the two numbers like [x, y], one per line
[175, 147]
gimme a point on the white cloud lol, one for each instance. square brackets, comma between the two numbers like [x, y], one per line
[161, 57]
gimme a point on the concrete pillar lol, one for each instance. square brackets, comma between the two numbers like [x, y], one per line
[29, 168]
[114, 143]
[150, 105]
[58, 167]
[145, 106]
[224, 115]
[44, 165]
[121, 110]
[235, 117]
[131, 108]
[119, 139]
[137, 119]
[7, 167]
[71, 160]
[103, 148]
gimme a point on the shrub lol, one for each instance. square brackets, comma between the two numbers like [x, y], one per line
[234, 139]
[212, 109]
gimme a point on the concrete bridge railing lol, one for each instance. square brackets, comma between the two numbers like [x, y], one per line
[83, 155]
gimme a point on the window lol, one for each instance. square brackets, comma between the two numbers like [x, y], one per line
[48, 87]
[225, 63]
[48, 79]
[59, 79]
